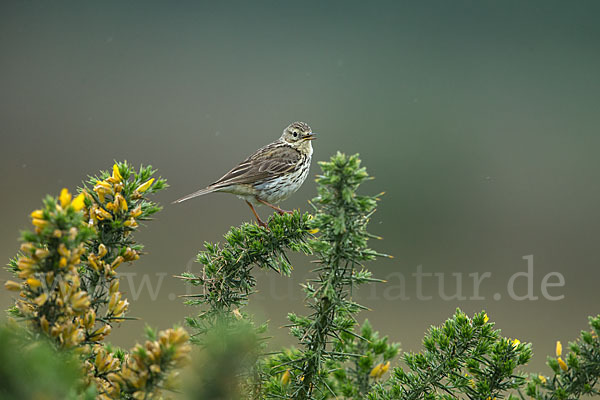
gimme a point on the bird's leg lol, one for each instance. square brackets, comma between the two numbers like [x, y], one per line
[279, 210]
[260, 221]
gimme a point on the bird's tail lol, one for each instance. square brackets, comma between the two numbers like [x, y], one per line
[195, 194]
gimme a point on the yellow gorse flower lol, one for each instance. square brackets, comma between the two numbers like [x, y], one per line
[313, 231]
[12, 285]
[516, 343]
[144, 186]
[558, 348]
[562, 364]
[116, 173]
[38, 214]
[78, 202]
[33, 283]
[542, 378]
[64, 198]
[286, 377]
[378, 370]
[485, 318]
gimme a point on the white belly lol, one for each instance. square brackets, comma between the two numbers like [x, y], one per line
[281, 188]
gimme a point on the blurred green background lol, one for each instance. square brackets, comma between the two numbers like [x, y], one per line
[478, 119]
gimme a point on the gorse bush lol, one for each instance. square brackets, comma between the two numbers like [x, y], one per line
[69, 288]
[69, 300]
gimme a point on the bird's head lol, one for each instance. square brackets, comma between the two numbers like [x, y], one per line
[299, 135]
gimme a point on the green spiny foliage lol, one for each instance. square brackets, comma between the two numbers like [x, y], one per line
[115, 204]
[577, 376]
[341, 216]
[227, 279]
[371, 360]
[463, 357]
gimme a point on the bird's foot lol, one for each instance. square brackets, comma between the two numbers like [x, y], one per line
[277, 209]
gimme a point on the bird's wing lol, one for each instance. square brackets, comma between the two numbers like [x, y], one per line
[272, 160]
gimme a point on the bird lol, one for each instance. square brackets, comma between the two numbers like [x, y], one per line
[271, 174]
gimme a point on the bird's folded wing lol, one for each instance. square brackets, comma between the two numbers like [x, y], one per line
[268, 162]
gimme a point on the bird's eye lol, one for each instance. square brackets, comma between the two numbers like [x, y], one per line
[295, 134]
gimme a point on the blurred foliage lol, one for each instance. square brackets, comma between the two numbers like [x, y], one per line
[36, 370]
[220, 368]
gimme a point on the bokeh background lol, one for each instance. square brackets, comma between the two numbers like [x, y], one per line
[478, 119]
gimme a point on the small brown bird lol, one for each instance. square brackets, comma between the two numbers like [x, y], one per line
[271, 174]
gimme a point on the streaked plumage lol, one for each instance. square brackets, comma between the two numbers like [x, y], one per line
[272, 173]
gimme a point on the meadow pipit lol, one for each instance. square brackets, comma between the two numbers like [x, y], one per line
[271, 174]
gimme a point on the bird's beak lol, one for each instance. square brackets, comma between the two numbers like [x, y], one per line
[310, 136]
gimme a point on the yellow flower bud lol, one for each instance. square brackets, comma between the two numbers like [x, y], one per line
[115, 264]
[542, 378]
[116, 173]
[102, 214]
[130, 254]
[64, 198]
[562, 364]
[57, 233]
[78, 203]
[49, 278]
[25, 263]
[313, 231]
[27, 248]
[80, 301]
[100, 333]
[40, 223]
[155, 369]
[516, 343]
[63, 251]
[115, 379]
[121, 307]
[12, 285]
[63, 262]
[41, 299]
[114, 286]
[34, 283]
[39, 214]
[144, 186]
[136, 212]
[42, 253]
[140, 394]
[558, 348]
[103, 185]
[114, 299]
[93, 263]
[385, 367]
[89, 319]
[485, 318]
[286, 377]
[44, 324]
[131, 223]
[102, 250]
[120, 202]
[376, 371]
